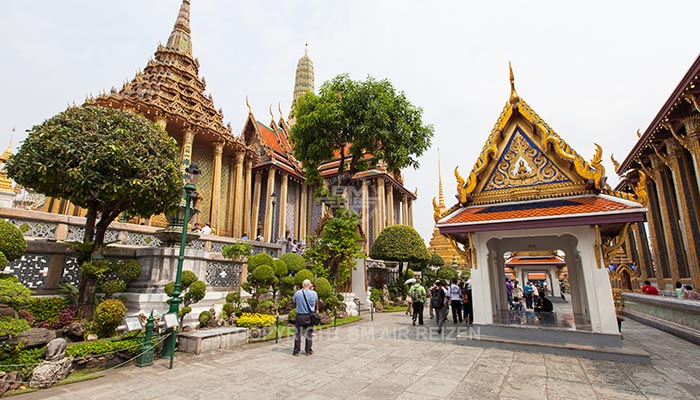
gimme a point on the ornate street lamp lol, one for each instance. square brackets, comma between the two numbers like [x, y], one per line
[272, 224]
[191, 177]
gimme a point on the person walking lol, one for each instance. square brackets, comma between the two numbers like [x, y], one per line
[418, 295]
[509, 292]
[528, 294]
[437, 301]
[430, 304]
[456, 301]
[467, 306]
[517, 297]
[305, 300]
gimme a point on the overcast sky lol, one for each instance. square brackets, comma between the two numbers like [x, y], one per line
[596, 71]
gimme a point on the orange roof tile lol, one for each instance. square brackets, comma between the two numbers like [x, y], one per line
[269, 137]
[565, 211]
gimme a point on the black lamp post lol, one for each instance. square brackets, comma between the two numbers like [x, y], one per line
[191, 177]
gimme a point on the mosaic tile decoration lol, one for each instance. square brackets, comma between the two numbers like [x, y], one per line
[31, 270]
[35, 228]
[71, 271]
[220, 274]
[142, 239]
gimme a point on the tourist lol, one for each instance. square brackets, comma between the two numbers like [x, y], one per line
[295, 246]
[206, 230]
[528, 294]
[517, 297]
[197, 228]
[418, 295]
[437, 301]
[649, 289]
[562, 288]
[430, 304]
[245, 237]
[679, 290]
[409, 305]
[467, 307]
[689, 294]
[305, 300]
[259, 238]
[543, 304]
[456, 301]
[509, 291]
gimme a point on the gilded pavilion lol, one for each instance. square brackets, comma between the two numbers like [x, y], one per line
[251, 183]
[668, 154]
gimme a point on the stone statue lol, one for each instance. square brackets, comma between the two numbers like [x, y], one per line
[56, 367]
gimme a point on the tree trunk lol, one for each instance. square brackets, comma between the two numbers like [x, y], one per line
[91, 216]
[86, 298]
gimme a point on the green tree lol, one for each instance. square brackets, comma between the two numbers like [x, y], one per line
[356, 118]
[294, 261]
[436, 260]
[400, 243]
[332, 254]
[12, 243]
[104, 160]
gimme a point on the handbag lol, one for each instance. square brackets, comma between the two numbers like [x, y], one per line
[315, 318]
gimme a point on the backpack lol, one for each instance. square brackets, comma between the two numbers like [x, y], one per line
[437, 298]
[415, 294]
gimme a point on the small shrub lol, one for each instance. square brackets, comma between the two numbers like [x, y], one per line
[99, 347]
[14, 294]
[258, 260]
[67, 315]
[292, 316]
[233, 297]
[204, 318]
[111, 287]
[239, 252]
[294, 262]
[10, 326]
[302, 275]
[12, 243]
[228, 308]
[323, 288]
[108, 315]
[376, 296]
[249, 320]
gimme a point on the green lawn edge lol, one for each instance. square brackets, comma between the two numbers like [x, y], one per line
[286, 330]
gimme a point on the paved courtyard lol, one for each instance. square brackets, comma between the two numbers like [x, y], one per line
[380, 360]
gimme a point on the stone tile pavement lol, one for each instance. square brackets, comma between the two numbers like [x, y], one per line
[389, 359]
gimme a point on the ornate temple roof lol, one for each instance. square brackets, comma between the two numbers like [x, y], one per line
[170, 87]
[683, 104]
[526, 172]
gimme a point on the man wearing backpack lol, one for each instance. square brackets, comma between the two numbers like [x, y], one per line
[437, 300]
[417, 294]
[456, 301]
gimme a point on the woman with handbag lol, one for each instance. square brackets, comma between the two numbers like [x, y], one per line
[306, 301]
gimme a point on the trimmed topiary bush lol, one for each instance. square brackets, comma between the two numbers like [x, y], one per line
[258, 260]
[12, 243]
[301, 275]
[280, 268]
[194, 290]
[400, 243]
[14, 293]
[107, 317]
[323, 288]
[294, 261]
[204, 318]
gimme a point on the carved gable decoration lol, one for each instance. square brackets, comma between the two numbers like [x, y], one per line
[523, 164]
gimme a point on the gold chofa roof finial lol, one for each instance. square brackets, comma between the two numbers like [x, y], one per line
[514, 98]
[250, 110]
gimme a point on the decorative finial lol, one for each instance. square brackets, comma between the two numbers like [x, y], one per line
[639, 134]
[306, 49]
[614, 161]
[271, 114]
[250, 110]
[279, 108]
[514, 98]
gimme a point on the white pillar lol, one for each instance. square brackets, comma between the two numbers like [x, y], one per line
[597, 285]
[481, 286]
[556, 292]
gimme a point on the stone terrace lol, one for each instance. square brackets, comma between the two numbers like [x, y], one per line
[377, 360]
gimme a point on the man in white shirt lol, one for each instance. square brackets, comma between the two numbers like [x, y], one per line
[206, 230]
[456, 301]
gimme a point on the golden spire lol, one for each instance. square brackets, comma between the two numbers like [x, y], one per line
[514, 98]
[441, 195]
[179, 39]
[304, 79]
[5, 181]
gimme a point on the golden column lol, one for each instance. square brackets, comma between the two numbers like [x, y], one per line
[256, 205]
[404, 209]
[282, 225]
[692, 141]
[247, 225]
[216, 187]
[669, 220]
[390, 201]
[302, 215]
[687, 200]
[186, 152]
[230, 195]
[656, 228]
[365, 212]
[381, 200]
[238, 214]
[268, 204]
[410, 212]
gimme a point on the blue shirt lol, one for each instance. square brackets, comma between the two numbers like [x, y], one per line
[298, 299]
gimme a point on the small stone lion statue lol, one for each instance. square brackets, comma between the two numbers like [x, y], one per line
[56, 367]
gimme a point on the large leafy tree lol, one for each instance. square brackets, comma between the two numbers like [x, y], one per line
[353, 119]
[104, 160]
[400, 243]
[332, 254]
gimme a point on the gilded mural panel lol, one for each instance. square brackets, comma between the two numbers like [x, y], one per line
[522, 164]
[203, 156]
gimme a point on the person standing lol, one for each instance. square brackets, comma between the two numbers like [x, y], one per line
[535, 294]
[456, 301]
[418, 295]
[509, 292]
[437, 301]
[206, 230]
[467, 302]
[528, 294]
[430, 304]
[305, 300]
[679, 290]
[517, 297]
[689, 294]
